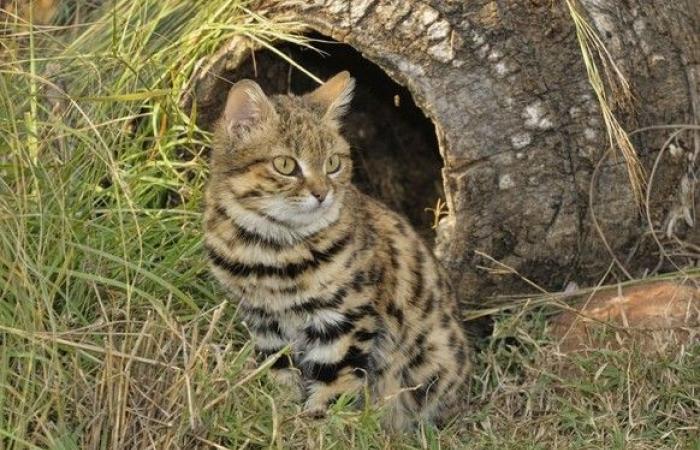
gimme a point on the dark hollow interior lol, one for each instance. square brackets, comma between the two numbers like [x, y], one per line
[395, 150]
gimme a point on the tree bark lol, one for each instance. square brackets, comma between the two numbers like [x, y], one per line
[520, 129]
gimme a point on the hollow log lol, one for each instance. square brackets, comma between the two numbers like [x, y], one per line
[519, 127]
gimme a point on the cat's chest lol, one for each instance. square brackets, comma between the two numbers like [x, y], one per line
[279, 281]
[294, 327]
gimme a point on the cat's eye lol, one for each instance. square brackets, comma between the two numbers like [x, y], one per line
[284, 165]
[333, 164]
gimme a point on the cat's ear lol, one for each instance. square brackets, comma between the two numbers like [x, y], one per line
[247, 106]
[334, 95]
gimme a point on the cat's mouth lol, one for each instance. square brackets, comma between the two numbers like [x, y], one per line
[301, 211]
[311, 204]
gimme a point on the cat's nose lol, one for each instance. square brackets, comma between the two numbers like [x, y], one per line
[320, 194]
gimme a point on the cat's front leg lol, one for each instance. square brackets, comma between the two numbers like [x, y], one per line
[321, 395]
[282, 370]
[269, 339]
[330, 370]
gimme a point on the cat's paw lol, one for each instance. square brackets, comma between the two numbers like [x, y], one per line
[286, 377]
[316, 413]
[290, 379]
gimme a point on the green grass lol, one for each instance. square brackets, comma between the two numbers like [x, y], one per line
[112, 333]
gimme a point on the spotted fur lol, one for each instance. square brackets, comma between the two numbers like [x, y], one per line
[317, 265]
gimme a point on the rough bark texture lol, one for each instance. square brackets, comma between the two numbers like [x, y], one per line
[519, 127]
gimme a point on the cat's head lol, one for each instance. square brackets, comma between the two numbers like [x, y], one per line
[283, 156]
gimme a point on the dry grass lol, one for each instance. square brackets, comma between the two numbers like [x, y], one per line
[611, 93]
